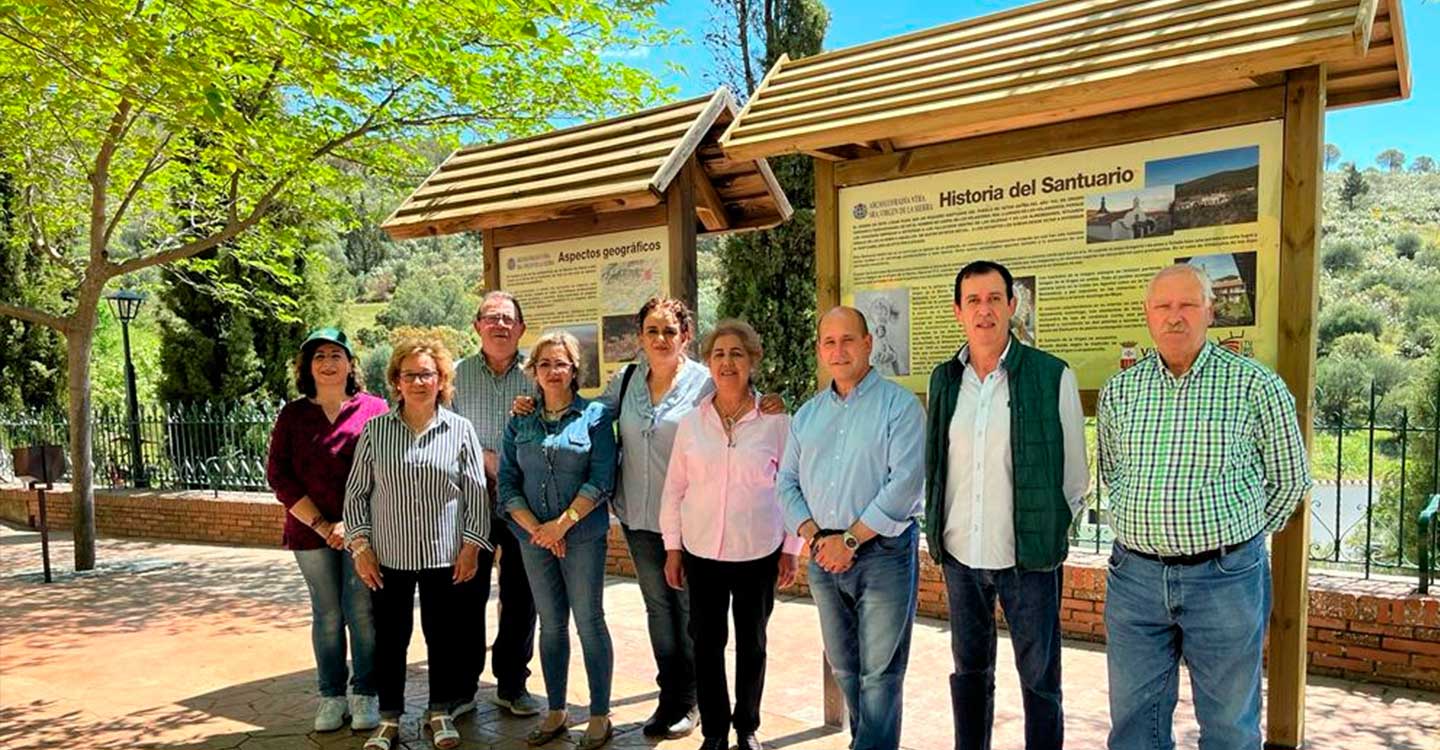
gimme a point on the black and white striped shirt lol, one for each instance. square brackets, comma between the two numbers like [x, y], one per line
[417, 498]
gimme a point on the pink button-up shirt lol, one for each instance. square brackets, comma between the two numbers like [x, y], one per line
[720, 500]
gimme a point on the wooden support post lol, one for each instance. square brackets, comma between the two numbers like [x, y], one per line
[680, 217]
[834, 701]
[827, 295]
[827, 248]
[1299, 294]
[491, 253]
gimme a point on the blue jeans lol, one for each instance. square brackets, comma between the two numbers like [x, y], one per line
[1031, 600]
[575, 583]
[338, 600]
[667, 612]
[866, 615]
[1213, 616]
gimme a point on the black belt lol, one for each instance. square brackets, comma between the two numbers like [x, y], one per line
[1195, 559]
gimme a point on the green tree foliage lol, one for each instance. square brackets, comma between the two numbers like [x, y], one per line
[107, 107]
[1344, 377]
[1391, 159]
[1353, 186]
[768, 278]
[1332, 155]
[1423, 165]
[1407, 244]
[1346, 317]
[1341, 255]
[428, 298]
[32, 357]
[1394, 518]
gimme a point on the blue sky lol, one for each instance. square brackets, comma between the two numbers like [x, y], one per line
[1413, 126]
[1186, 168]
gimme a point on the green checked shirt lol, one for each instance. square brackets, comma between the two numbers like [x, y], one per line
[1211, 458]
[485, 398]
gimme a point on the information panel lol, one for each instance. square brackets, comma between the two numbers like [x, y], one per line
[591, 287]
[1082, 233]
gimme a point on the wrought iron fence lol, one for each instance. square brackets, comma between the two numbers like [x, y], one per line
[1362, 518]
[208, 446]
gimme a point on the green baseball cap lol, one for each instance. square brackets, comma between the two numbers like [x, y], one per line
[328, 336]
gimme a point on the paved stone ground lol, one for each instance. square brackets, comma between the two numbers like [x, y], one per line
[187, 647]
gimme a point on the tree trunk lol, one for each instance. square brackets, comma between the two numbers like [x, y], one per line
[79, 341]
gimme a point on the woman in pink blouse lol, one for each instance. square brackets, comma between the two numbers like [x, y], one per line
[720, 519]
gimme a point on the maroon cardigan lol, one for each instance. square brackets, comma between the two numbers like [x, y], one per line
[311, 456]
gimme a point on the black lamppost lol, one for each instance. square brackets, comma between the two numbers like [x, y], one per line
[126, 305]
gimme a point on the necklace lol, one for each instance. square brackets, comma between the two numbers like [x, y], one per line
[729, 420]
[553, 414]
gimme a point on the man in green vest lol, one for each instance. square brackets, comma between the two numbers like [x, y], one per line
[1006, 473]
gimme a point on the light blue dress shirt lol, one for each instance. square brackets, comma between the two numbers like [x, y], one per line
[856, 458]
[647, 434]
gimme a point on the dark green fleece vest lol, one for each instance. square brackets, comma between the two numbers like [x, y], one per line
[1037, 449]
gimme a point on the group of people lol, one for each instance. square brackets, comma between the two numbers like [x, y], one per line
[718, 492]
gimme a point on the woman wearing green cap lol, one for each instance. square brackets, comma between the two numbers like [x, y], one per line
[311, 449]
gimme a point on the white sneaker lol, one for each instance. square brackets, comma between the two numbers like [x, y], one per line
[364, 712]
[331, 715]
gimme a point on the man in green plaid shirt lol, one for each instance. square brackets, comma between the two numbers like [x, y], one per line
[1204, 458]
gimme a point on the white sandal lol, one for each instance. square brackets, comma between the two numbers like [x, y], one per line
[383, 739]
[441, 728]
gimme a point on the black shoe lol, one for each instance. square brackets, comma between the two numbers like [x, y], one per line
[713, 743]
[748, 742]
[667, 724]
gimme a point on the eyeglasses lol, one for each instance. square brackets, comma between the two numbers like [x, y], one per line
[558, 365]
[498, 319]
[425, 376]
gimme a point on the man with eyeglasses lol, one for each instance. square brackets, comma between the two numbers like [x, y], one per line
[485, 386]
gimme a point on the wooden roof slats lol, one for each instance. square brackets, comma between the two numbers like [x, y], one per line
[1019, 85]
[955, 68]
[658, 145]
[613, 165]
[541, 176]
[523, 201]
[624, 174]
[1063, 59]
[1056, 63]
[964, 52]
[680, 112]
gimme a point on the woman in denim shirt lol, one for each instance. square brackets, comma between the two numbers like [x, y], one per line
[557, 470]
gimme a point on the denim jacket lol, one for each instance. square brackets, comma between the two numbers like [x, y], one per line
[543, 466]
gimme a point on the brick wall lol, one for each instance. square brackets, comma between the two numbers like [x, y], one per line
[246, 518]
[1374, 630]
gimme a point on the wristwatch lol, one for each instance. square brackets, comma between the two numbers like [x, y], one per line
[572, 514]
[851, 542]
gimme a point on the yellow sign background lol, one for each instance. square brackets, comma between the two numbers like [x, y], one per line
[1082, 233]
[591, 287]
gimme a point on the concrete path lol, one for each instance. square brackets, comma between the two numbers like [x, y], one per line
[187, 647]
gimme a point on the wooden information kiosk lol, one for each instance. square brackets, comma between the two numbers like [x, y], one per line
[1087, 143]
[584, 224]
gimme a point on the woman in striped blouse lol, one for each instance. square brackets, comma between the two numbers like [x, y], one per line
[416, 516]
[557, 470]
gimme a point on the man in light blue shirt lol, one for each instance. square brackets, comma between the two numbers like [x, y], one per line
[851, 485]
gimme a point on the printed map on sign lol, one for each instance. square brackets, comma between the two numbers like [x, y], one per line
[1082, 233]
[591, 287]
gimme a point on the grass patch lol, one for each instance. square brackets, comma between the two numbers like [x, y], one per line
[357, 315]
